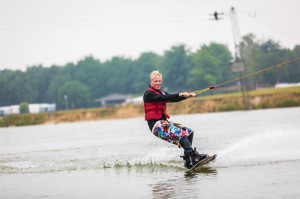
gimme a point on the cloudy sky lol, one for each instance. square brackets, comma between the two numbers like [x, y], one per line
[51, 32]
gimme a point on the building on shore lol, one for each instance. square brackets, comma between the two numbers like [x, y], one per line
[33, 108]
[115, 99]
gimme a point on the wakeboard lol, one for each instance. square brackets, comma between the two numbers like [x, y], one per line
[204, 161]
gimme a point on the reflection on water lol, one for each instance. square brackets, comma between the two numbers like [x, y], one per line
[183, 186]
[163, 190]
[204, 170]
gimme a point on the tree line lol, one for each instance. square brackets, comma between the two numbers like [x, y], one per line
[182, 69]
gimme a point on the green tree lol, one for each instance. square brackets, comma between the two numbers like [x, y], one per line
[294, 68]
[5, 94]
[16, 85]
[91, 73]
[182, 70]
[78, 95]
[176, 64]
[39, 79]
[210, 65]
[58, 78]
[263, 54]
[144, 65]
[24, 107]
[119, 75]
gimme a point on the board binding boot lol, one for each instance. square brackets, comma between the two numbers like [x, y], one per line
[196, 157]
[187, 160]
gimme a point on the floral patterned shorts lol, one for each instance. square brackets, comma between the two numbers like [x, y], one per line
[170, 132]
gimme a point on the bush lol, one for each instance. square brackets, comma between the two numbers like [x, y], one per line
[287, 103]
[23, 120]
[230, 107]
[24, 107]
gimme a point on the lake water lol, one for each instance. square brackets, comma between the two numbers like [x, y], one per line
[258, 157]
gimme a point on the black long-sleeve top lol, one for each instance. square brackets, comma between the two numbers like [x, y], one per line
[151, 96]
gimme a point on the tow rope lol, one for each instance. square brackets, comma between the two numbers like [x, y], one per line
[242, 77]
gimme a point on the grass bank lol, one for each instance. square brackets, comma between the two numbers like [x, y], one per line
[258, 99]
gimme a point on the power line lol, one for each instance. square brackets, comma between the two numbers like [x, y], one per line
[104, 22]
[272, 27]
[208, 30]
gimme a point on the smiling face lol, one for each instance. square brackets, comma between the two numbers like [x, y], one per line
[156, 82]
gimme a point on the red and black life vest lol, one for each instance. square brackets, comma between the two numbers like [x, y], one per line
[155, 110]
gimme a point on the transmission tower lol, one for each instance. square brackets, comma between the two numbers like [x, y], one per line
[238, 65]
[236, 32]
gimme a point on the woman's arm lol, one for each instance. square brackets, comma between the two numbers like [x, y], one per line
[183, 96]
[150, 96]
[153, 97]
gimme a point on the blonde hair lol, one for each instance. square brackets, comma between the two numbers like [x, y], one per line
[154, 74]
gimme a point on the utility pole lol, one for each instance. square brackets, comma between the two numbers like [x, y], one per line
[66, 102]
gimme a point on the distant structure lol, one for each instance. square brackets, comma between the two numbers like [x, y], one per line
[237, 65]
[135, 100]
[115, 99]
[216, 15]
[283, 85]
[40, 108]
[33, 108]
[112, 99]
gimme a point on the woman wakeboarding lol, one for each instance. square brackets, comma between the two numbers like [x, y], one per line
[155, 105]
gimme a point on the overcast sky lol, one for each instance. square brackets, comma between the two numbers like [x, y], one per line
[57, 32]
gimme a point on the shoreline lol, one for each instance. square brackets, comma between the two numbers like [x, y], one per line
[259, 99]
